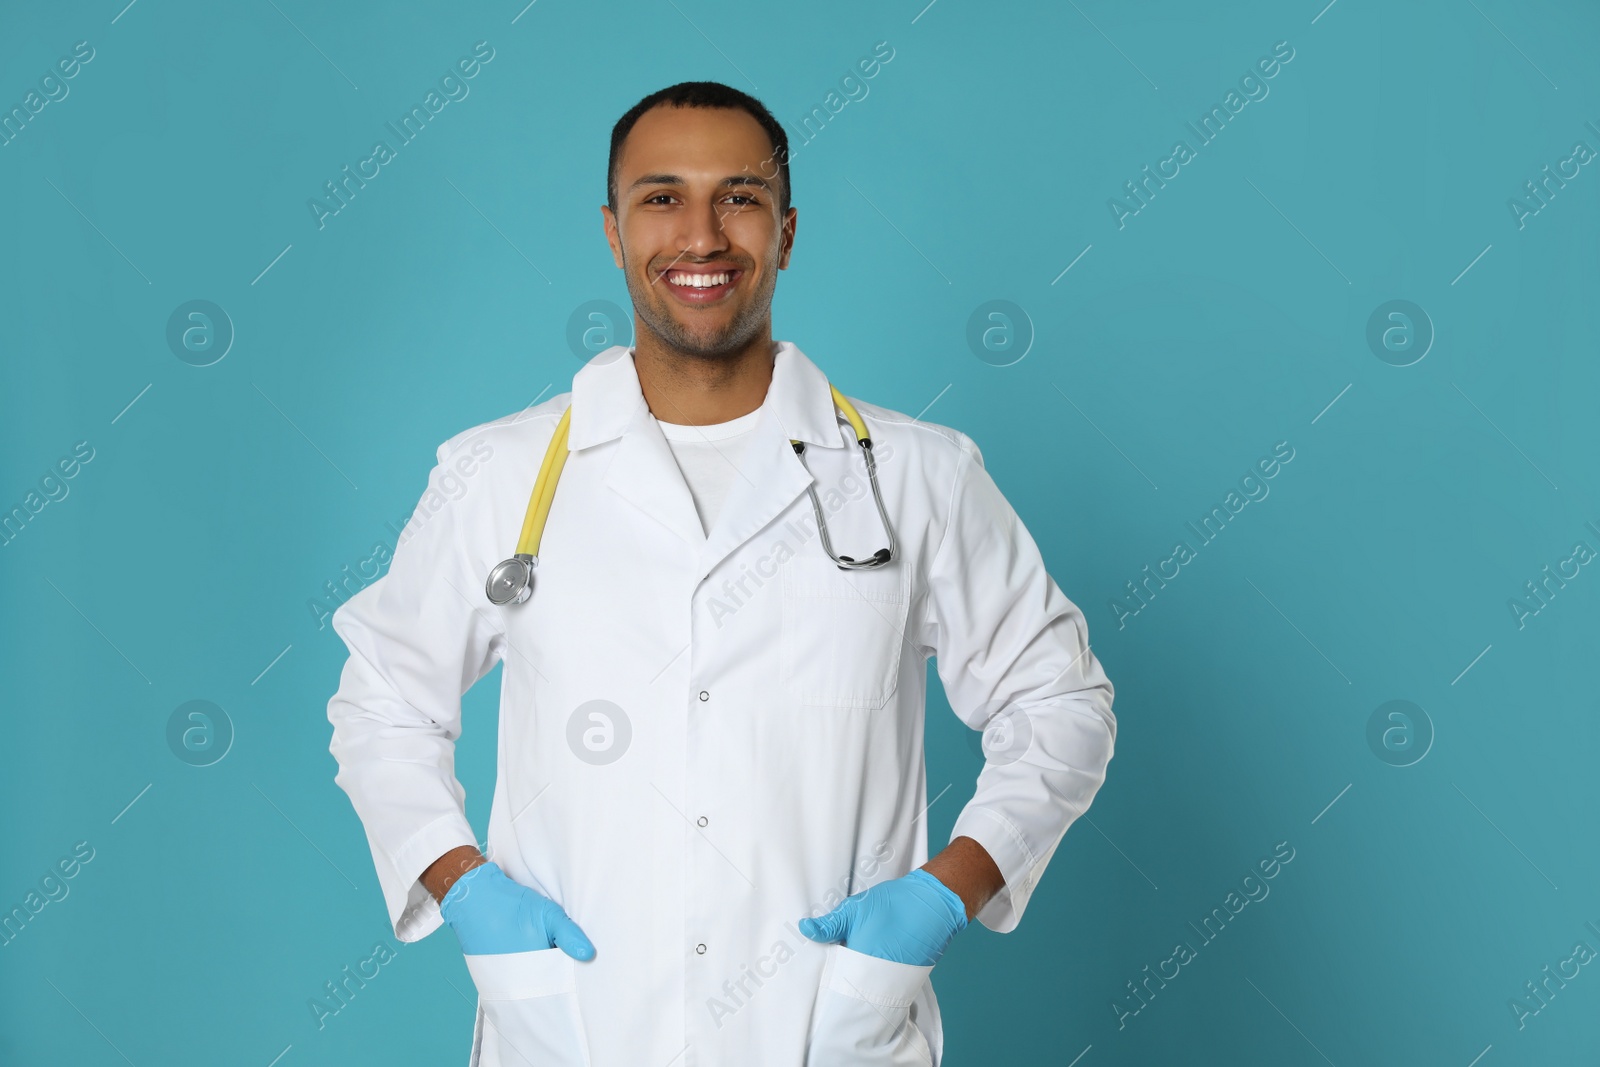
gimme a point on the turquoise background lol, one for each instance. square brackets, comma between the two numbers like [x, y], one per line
[1228, 315]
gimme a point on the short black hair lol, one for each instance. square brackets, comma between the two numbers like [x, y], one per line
[703, 94]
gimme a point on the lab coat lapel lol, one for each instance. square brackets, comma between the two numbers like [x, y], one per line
[607, 404]
[769, 478]
[646, 474]
[798, 407]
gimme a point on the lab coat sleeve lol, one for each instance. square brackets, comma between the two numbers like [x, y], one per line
[1010, 644]
[417, 640]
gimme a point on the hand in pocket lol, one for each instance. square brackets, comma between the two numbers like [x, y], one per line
[492, 914]
[907, 920]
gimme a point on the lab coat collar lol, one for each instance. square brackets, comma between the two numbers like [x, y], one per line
[606, 398]
[607, 404]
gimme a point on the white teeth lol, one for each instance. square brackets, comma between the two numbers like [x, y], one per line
[698, 281]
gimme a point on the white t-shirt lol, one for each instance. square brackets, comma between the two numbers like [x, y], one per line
[707, 456]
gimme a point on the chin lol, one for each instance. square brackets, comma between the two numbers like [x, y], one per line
[695, 339]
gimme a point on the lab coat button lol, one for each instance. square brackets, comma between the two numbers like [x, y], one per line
[700, 949]
[704, 695]
[701, 821]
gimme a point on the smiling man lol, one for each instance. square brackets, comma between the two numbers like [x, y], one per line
[707, 843]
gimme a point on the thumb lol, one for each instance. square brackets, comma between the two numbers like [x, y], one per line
[830, 927]
[569, 937]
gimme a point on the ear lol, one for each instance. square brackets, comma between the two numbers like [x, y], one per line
[613, 235]
[787, 238]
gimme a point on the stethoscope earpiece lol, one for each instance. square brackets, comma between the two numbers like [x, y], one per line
[879, 558]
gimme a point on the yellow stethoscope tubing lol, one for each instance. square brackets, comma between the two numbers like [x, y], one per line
[544, 489]
[555, 457]
[850, 413]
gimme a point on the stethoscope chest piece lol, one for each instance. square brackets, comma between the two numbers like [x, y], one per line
[511, 581]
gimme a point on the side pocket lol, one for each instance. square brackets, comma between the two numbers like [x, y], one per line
[529, 1002]
[863, 1013]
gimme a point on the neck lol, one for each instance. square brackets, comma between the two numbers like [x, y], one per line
[694, 390]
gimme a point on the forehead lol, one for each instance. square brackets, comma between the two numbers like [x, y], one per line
[694, 142]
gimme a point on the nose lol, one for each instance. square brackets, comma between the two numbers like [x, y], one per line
[701, 233]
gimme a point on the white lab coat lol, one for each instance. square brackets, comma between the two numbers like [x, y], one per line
[705, 738]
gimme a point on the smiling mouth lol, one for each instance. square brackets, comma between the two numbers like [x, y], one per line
[697, 286]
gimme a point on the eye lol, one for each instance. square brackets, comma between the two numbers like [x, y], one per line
[747, 201]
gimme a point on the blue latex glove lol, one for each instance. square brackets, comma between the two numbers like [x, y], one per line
[907, 920]
[492, 915]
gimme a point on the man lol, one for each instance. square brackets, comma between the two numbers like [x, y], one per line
[707, 836]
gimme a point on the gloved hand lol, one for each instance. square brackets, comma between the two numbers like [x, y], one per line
[493, 915]
[907, 920]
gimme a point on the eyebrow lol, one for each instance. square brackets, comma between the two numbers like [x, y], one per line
[735, 181]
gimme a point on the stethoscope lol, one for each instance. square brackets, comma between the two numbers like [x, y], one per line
[511, 581]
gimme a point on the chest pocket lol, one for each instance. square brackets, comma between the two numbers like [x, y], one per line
[843, 631]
